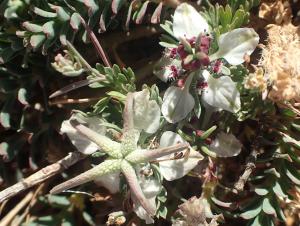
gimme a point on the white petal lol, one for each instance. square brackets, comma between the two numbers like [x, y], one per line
[110, 181]
[141, 212]
[226, 145]
[221, 93]
[235, 44]
[188, 22]
[174, 169]
[162, 69]
[82, 144]
[146, 112]
[177, 102]
[151, 188]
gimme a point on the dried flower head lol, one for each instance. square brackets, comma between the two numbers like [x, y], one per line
[256, 80]
[277, 12]
[196, 212]
[280, 60]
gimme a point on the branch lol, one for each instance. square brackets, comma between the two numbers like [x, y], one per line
[9, 217]
[250, 166]
[41, 175]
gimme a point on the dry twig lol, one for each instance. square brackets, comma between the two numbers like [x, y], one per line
[41, 175]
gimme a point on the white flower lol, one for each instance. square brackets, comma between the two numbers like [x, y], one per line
[83, 144]
[221, 93]
[175, 169]
[187, 22]
[177, 102]
[234, 45]
[226, 145]
[146, 112]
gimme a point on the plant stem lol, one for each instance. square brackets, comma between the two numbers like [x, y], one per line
[96, 43]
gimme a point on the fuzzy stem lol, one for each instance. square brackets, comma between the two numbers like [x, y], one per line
[139, 156]
[135, 187]
[106, 167]
[107, 145]
[128, 113]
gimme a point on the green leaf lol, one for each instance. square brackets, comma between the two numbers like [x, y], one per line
[141, 13]
[100, 106]
[268, 208]
[208, 132]
[278, 190]
[37, 40]
[117, 95]
[278, 209]
[167, 45]
[62, 14]
[261, 191]
[163, 211]
[122, 78]
[251, 213]
[43, 13]
[22, 96]
[293, 175]
[88, 218]
[48, 29]
[5, 119]
[32, 27]
[287, 139]
[221, 203]
[273, 171]
[75, 21]
[116, 5]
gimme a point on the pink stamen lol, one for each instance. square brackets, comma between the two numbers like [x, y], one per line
[202, 85]
[204, 43]
[174, 72]
[217, 66]
[173, 53]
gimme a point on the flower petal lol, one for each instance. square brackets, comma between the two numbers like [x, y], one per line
[188, 22]
[151, 188]
[235, 44]
[110, 181]
[177, 102]
[174, 169]
[82, 144]
[221, 93]
[146, 112]
[226, 145]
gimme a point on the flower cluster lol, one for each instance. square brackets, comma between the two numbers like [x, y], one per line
[195, 63]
